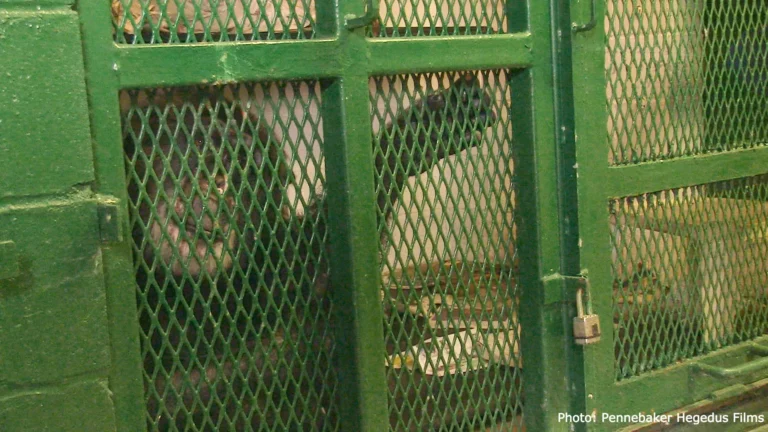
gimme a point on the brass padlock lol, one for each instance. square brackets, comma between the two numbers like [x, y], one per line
[586, 328]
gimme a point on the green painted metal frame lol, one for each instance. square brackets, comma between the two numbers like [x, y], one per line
[345, 59]
[125, 373]
[679, 385]
[547, 230]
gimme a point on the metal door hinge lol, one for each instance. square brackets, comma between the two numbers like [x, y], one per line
[110, 228]
[558, 287]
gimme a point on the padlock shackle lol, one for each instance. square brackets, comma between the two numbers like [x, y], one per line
[579, 302]
[588, 289]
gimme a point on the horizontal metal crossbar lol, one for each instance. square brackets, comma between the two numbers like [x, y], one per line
[158, 65]
[450, 53]
[654, 176]
[677, 384]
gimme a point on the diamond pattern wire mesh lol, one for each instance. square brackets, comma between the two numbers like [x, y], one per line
[230, 256]
[690, 272]
[185, 21]
[439, 18]
[446, 196]
[685, 77]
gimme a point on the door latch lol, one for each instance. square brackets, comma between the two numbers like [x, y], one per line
[592, 23]
[371, 14]
[109, 223]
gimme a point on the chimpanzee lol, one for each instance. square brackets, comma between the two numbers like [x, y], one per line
[204, 210]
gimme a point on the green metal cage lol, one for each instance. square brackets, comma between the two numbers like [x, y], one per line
[361, 215]
[680, 203]
[231, 252]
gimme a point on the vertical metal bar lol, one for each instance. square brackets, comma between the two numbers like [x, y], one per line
[562, 30]
[326, 21]
[354, 248]
[125, 378]
[544, 217]
[594, 231]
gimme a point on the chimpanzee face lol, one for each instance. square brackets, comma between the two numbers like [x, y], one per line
[194, 203]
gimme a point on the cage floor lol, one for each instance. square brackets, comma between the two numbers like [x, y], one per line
[436, 327]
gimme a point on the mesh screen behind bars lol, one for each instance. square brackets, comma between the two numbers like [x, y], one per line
[229, 232]
[445, 189]
[440, 18]
[690, 272]
[176, 21]
[230, 257]
[685, 77]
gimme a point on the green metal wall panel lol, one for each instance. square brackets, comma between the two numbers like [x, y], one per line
[53, 318]
[79, 407]
[45, 142]
[54, 345]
